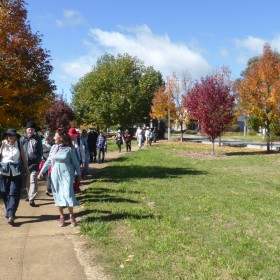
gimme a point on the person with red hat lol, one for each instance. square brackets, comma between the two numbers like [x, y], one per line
[75, 138]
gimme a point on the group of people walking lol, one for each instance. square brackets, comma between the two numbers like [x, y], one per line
[62, 159]
[120, 138]
[145, 135]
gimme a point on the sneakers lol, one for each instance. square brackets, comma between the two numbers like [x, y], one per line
[47, 193]
[73, 221]
[11, 220]
[61, 222]
[32, 203]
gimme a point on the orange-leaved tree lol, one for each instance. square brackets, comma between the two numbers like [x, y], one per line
[26, 90]
[259, 90]
[163, 105]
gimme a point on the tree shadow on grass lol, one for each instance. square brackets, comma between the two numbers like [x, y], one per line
[103, 197]
[92, 196]
[116, 174]
[108, 216]
[106, 195]
[253, 153]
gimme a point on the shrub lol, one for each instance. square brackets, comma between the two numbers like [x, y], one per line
[234, 128]
[252, 132]
[189, 131]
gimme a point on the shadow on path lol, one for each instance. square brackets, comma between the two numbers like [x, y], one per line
[34, 219]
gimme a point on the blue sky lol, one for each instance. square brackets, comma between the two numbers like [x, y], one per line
[197, 36]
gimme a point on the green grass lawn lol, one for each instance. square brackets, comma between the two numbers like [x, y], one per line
[240, 136]
[169, 212]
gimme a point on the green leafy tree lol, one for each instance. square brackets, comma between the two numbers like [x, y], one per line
[118, 91]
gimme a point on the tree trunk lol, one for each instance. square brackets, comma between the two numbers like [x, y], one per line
[181, 125]
[268, 139]
[213, 147]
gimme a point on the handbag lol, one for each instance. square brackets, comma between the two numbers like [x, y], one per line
[5, 167]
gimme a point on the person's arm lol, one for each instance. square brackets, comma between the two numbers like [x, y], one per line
[47, 163]
[40, 150]
[75, 162]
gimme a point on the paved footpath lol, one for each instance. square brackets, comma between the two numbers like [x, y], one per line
[36, 248]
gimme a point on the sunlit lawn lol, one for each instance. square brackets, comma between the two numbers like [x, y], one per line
[242, 137]
[168, 213]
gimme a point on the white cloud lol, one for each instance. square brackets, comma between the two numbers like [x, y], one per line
[70, 18]
[252, 44]
[275, 43]
[77, 68]
[155, 50]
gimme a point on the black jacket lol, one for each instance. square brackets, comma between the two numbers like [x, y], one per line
[34, 152]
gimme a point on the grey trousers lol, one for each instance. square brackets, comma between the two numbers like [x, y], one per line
[33, 187]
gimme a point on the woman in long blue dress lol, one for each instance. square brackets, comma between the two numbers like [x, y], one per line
[63, 161]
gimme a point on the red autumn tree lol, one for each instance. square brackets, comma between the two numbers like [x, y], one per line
[26, 90]
[59, 115]
[210, 102]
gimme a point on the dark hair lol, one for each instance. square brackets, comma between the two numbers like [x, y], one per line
[66, 140]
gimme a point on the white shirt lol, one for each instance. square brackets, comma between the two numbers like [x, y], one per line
[139, 132]
[10, 153]
[147, 133]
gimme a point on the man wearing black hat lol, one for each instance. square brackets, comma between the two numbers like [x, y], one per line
[32, 147]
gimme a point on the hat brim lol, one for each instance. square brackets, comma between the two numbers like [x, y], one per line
[13, 134]
[74, 135]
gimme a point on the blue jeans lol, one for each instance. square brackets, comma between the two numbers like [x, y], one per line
[86, 163]
[11, 190]
[101, 151]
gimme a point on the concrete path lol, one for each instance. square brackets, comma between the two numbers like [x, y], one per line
[36, 248]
